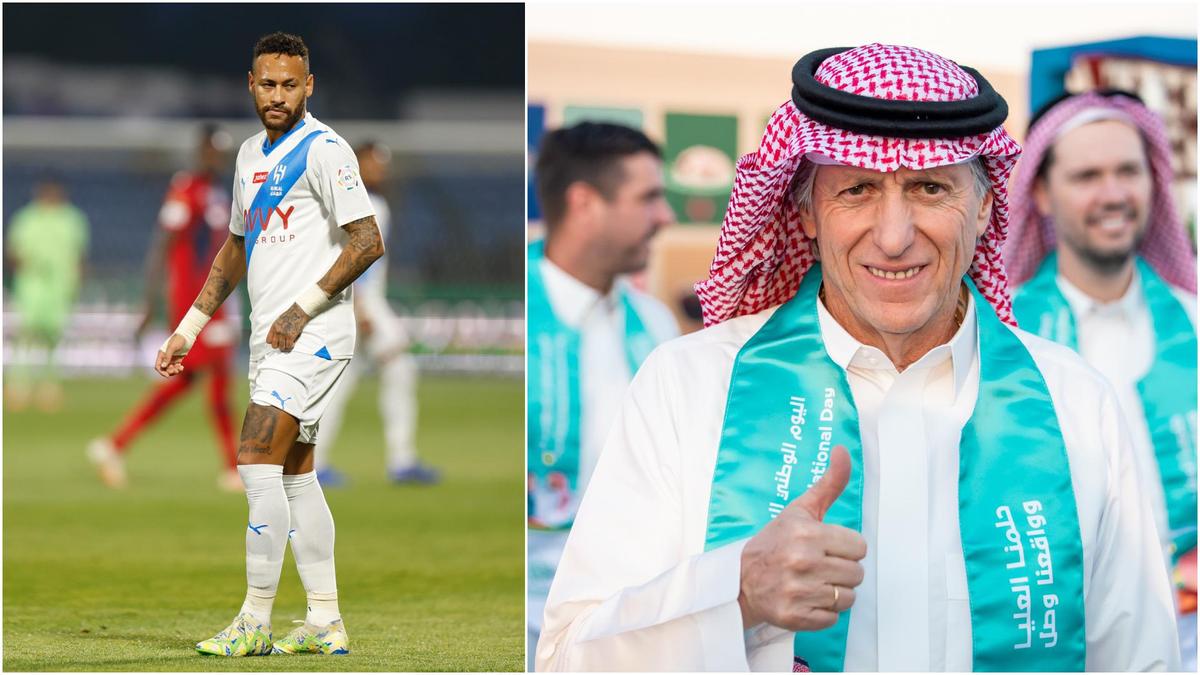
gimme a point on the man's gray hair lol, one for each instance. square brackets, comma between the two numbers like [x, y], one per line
[806, 177]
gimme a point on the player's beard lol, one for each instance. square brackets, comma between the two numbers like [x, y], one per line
[286, 123]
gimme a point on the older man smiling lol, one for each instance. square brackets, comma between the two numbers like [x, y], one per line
[981, 512]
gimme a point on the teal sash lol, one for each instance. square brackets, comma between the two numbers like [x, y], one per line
[789, 404]
[554, 399]
[1167, 392]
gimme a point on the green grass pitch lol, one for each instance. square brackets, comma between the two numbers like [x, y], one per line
[429, 578]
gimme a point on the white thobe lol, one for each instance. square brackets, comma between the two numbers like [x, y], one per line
[1118, 339]
[636, 590]
[604, 375]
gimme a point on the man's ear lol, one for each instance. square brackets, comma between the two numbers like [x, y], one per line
[308, 85]
[1041, 197]
[580, 200]
[807, 222]
[985, 214]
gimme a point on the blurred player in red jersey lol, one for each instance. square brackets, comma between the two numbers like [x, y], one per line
[192, 228]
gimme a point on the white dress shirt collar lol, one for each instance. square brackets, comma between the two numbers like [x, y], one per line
[571, 299]
[847, 352]
[1083, 304]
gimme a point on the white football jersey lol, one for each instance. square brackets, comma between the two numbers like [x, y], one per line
[290, 199]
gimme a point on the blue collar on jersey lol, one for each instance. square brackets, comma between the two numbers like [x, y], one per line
[268, 146]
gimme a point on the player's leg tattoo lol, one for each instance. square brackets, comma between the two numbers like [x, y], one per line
[258, 428]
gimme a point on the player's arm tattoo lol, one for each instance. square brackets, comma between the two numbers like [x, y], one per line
[288, 327]
[227, 271]
[258, 428]
[365, 247]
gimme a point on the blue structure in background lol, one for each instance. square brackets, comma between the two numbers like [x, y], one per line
[1049, 67]
[535, 127]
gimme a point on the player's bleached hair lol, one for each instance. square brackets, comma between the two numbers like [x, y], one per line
[280, 43]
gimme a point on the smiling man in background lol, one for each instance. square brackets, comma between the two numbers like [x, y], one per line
[1108, 271]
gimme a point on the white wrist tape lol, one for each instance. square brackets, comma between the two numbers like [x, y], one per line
[193, 322]
[312, 300]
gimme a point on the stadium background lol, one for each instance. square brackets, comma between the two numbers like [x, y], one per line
[110, 99]
[705, 87]
[115, 118]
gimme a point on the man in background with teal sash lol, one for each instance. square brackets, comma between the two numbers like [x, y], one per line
[1107, 269]
[600, 187]
[861, 464]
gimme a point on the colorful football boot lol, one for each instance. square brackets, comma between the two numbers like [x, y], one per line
[246, 636]
[329, 639]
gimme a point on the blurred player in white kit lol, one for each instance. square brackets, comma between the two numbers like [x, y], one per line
[384, 343]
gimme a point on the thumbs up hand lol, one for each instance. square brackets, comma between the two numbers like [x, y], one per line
[797, 572]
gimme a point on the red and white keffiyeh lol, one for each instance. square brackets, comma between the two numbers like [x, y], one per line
[1165, 245]
[763, 253]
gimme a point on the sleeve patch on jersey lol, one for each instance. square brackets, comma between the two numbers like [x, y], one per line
[347, 177]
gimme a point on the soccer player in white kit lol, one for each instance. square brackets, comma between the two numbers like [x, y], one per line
[302, 229]
[385, 345]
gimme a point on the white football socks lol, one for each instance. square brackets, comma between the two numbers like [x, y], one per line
[266, 536]
[312, 546]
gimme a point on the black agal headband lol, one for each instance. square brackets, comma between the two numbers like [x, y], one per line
[898, 119]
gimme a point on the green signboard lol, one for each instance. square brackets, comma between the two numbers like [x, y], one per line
[700, 156]
[574, 114]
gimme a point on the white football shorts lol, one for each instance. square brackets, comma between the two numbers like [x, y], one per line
[299, 384]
